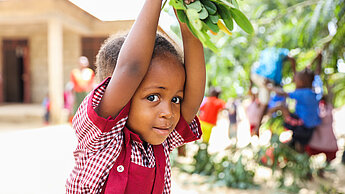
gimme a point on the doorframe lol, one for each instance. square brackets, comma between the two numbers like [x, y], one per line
[1, 71]
[26, 67]
[26, 76]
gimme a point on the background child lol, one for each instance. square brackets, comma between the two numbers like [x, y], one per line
[209, 112]
[323, 139]
[306, 117]
[252, 111]
[269, 70]
[83, 80]
[130, 123]
[46, 106]
[231, 106]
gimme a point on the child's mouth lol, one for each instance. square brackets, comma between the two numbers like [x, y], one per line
[165, 131]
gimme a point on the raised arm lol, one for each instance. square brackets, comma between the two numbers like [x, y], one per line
[133, 61]
[277, 90]
[293, 64]
[195, 74]
[318, 60]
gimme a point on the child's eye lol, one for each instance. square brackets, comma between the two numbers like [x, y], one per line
[176, 100]
[152, 98]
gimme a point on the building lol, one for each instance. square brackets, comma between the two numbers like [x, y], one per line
[40, 43]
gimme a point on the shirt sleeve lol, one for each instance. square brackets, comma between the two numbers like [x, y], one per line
[93, 131]
[293, 94]
[283, 52]
[184, 133]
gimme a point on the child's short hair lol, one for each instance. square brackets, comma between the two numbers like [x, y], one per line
[106, 58]
[163, 45]
[215, 91]
[108, 54]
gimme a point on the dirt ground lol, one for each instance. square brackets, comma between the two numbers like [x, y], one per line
[333, 179]
[200, 185]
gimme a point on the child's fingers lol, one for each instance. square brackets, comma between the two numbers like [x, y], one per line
[189, 1]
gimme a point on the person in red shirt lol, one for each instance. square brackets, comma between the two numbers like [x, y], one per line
[129, 124]
[209, 112]
[83, 80]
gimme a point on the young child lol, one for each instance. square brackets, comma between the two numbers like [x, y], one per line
[252, 109]
[306, 116]
[323, 139]
[129, 124]
[231, 106]
[83, 80]
[209, 112]
[252, 115]
[269, 71]
[46, 106]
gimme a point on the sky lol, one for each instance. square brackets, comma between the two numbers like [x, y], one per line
[109, 10]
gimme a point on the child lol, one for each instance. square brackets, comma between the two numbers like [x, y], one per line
[130, 123]
[269, 70]
[232, 114]
[306, 118]
[252, 111]
[323, 139]
[209, 112]
[82, 79]
[46, 106]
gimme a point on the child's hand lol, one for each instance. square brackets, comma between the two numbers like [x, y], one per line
[188, 1]
[269, 86]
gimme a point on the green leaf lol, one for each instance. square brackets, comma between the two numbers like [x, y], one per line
[211, 25]
[204, 38]
[241, 20]
[196, 5]
[210, 6]
[207, 42]
[177, 4]
[214, 18]
[203, 13]
[226, 16]
[182, 16]
[194, 20]
[191, 29]
[234, 2]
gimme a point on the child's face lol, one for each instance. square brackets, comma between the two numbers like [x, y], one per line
[155, 107]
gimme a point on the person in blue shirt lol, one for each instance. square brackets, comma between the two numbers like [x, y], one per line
[306, 116]
[269, 71]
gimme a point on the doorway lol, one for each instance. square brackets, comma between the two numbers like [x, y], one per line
[90, 48]
[16, 71]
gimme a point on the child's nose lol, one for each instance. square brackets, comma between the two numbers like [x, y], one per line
[166, 111]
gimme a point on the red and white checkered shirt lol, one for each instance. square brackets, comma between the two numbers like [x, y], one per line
[100, 143]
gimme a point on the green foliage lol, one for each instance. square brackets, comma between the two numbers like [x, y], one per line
[241, 20]
[234, 174]
[338, 82]
[328, 189]
[235, 167]
[222, 171]
[204, 162]
[288, 162]
[302, 26]
[204, 15]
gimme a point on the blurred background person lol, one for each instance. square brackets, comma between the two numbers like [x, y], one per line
[83, 81]
[269, 70]
[209, 112]
[231, 106]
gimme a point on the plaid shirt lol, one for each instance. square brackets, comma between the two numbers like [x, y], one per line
[100, 143]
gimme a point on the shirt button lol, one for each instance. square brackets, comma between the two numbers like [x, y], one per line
[120, 168]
